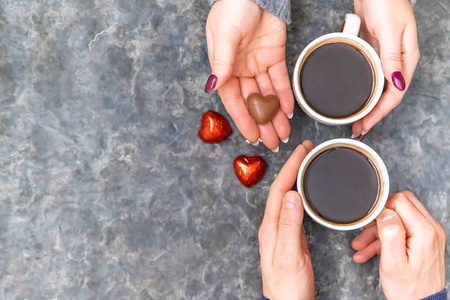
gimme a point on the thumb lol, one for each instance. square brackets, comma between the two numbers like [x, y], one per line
[392, 235]
[288, 245]
[391, 56]
[224, 53]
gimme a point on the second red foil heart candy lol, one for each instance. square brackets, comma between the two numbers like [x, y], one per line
[249, 169]
[214, 128]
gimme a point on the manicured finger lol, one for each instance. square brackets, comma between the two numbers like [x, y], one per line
[267, 132]
[269, 136]
[393, 95]
[410, 51]
[234, 103]
[265, 84]
[399, 51]
[281, 124]
[280, 80]
[358, 128]
[390, 36]
[209, 44]
[388, 101]
[288, 250]
[366, 237]
[248, 86]
[392, 236]
[225, 45]
[368, 252]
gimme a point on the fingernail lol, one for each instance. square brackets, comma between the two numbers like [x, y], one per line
[359, 137]
[398, 80]
[253, 144]
[275, 150]
[385, 216]
[260, 139]
[353, 136]
[290, 200]
[290, 115]
[285, 140]
[210, 83]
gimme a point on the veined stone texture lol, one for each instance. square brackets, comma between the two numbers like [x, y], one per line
[106, 192]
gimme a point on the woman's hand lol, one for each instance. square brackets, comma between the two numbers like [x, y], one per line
[389, 26]
[246, 49]
[411, 244]
[285, 259]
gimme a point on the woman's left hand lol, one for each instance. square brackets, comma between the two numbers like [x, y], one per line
[389, 26]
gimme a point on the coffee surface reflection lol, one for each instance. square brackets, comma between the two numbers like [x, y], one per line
[341, 185]
[336, 80]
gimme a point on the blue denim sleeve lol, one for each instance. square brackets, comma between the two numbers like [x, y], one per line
[279, 8]
[442, 295]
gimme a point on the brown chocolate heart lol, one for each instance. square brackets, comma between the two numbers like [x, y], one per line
[262, 109]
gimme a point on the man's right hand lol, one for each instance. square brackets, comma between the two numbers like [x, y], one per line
[411, 245]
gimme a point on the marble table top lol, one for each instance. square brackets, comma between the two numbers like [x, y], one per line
[106, 192]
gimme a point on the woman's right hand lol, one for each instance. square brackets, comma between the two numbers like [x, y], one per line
[411, 246]
[246, 49]
[390, 27]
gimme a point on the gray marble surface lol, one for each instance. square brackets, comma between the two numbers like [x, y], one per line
[106, 192]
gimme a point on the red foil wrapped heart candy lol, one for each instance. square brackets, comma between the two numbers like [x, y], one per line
[214, 128]
[249, 169]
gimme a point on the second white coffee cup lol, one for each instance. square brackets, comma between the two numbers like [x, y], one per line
[376, 161]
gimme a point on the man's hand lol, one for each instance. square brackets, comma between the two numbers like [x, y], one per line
[285, 259]
[411, 246]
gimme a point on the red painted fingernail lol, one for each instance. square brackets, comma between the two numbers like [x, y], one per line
[210, 83]
[398, 80]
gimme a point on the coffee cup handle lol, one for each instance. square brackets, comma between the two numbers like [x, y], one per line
[351, 24]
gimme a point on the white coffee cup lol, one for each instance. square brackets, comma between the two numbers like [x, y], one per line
[349, 35]
[377, 162]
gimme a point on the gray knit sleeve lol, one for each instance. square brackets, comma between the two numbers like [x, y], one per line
[279, 8]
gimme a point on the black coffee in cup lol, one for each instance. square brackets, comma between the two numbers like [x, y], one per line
[337, 80]
[341, 185]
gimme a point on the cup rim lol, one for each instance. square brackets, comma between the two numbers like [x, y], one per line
[378, 164]
[376, 93]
